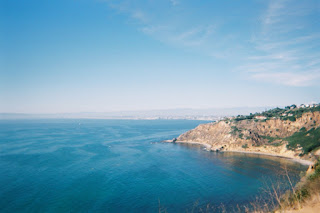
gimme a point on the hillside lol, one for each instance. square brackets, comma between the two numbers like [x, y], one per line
[290, 132]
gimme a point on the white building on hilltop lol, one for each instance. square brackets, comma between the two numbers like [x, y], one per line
[260, 117]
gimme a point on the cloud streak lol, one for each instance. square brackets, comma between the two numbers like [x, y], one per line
[288, 78]
[284, 46]
[172, 26]
[194, 37]
[174, 2]
[288, 56]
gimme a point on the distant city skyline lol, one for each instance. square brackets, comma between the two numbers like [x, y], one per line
[67, 56]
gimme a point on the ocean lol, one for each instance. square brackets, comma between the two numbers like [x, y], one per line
[87, 165]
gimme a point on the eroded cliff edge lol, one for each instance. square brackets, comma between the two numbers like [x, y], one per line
[297, 137]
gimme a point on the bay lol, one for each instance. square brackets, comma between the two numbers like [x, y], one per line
[83, 165]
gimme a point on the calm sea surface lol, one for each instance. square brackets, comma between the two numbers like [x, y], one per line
[121, 166]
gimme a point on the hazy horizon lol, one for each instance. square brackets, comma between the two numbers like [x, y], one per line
[145, 110]
[69, 56]
[178, 113]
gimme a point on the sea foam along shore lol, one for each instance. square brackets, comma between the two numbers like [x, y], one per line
[208, 148]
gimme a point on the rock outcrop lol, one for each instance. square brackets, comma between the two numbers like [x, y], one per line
[252, 135]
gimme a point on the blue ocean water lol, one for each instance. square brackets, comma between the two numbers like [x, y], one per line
[121, 166]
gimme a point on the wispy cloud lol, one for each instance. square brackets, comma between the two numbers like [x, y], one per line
[288, 78]
[139, 15]
[174, 2]
[170, 25]
[283, 49]
[274, 12]
[287, 56]
[129, 8]
[193, 37]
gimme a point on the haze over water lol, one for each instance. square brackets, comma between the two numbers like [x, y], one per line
[121, 166]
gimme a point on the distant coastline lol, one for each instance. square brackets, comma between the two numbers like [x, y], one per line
[210, 114]
[107, 118]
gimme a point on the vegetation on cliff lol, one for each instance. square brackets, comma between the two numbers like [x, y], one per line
[288, 113]
[308, 140]
[305, 139]
[290, 132]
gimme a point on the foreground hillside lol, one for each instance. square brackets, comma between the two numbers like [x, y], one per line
[291, 132]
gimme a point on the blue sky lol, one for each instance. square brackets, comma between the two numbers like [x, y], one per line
[113, 55]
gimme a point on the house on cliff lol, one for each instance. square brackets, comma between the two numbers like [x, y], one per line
[260, 117]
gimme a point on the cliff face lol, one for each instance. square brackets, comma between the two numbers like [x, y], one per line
[270, 136]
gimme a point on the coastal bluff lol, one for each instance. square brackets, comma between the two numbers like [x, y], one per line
[297, 138]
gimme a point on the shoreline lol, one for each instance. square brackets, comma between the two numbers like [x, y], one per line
[208, 147]
[301, 161]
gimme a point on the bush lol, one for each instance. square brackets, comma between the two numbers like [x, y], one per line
[269, 138]
[276, 144]
[234, 130]
[241, 136]
[292, 118]
[303, 129]
[316, 172]
[308, 140]
[245, 146]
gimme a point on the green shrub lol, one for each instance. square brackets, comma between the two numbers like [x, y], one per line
[245, 146]
[292, 118]
[303, 129]
[269, 138]
[308, 140]
[276, 144]
[241, 135]
[234, 130]
[316, 173]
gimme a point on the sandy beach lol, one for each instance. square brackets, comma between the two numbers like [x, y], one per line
[301, 161]
[208, 147]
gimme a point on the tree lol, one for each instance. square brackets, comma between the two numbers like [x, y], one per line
[293, 106]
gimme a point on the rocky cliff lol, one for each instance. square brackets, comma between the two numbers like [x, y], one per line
[295, 139]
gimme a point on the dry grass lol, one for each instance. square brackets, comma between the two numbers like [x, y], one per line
[305, 193]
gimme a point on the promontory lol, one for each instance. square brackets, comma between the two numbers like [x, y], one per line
[292, 132]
